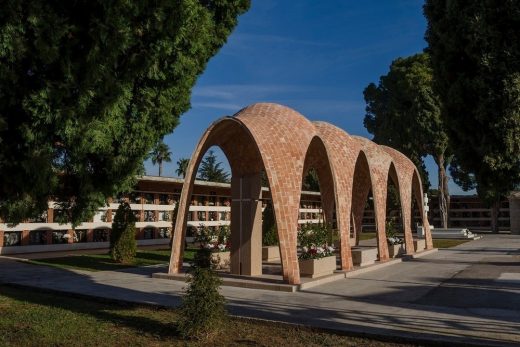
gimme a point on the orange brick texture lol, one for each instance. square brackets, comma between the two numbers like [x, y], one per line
[286, 145]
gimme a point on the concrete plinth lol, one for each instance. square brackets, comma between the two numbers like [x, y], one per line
[419, 245]
[271, 253]
[246, 225]
[362, 256]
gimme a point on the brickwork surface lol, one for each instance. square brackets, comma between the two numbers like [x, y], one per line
[286, 145]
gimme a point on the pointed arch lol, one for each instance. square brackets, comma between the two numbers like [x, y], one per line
[342, 152]
[379, 164]
[260, 136]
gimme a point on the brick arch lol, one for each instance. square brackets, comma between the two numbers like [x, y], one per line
[317, 158]
[399, 177]
[379, 163]
[260, 136]
[342, 152]
[410, 185]
[225, 133]
[285, 144]
[362, 184]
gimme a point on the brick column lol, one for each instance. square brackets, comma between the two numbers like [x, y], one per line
[71, 238]
[49, 237]
[90, 235]
[50, 215]
[1, 238]
[25, 238]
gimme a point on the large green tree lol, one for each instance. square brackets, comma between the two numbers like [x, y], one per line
[87, 87]
[211, 170]
[404, 112]
[159, 154]
[475, 51]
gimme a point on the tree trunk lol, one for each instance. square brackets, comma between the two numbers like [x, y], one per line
[444, 194]
[160, 168]
[495, 209]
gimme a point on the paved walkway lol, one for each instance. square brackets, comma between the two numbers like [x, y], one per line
[467, 294]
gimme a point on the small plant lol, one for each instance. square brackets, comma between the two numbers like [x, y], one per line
[391, 233]
[203, 313]
[123, 246]
[313, 241]
[216, 239]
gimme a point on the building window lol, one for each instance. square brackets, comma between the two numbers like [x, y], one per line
[165, 216]
[201, 215]
[148, 198]
[165, 233]
[137, 215]
[38, 237]
[212, 216]
[223, 216]
[12, 238]
[101, 235]
[148, 233]
[80, 235]
[135, 198]
[149, 216]
[60, 236]
[163, 199]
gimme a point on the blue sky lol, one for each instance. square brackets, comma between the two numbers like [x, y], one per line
[313, 56]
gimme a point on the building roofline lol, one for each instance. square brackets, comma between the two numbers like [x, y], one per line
[202, 183]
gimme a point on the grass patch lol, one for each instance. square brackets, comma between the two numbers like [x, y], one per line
[447, 243]
[367, 236]
[103, 262]
[31, 318]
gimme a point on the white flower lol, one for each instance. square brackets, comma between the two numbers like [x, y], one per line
[331, 249]
[320, 250]
[221, 247]
[209, 246]
[305, 249]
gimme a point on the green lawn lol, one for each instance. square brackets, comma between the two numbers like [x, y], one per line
[30, 318]
[367, 236]
[103, 262]
[447, 243]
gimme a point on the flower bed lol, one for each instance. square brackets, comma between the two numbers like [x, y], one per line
[217, 240]
[316, 257]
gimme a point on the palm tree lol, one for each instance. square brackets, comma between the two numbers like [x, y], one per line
[160, 153]
[182, 166]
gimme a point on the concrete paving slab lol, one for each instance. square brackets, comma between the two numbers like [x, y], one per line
[466, 295]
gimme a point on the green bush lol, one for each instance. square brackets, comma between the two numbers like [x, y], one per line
[203, 313]
[269, 231]
[122, 238]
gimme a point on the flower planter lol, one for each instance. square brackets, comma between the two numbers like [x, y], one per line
[362, 256]
[221, 260]
[271, 253]
[395, 251]
[419, 245]
[317, 267]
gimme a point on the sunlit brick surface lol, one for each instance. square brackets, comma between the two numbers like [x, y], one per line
[286, 145]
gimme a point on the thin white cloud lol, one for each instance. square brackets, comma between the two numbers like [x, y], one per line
[217, 105]
[245, 38]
